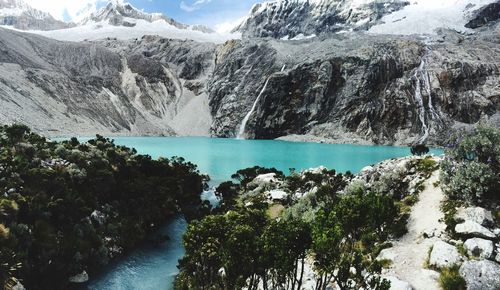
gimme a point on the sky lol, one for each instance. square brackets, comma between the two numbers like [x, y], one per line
[218, 14]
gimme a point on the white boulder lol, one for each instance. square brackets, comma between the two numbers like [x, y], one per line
[444, 255]
[479, 248]
[475, 214]
[83, 277]
[264, 178]
[481, 275]
[387, 255]
[470, 228]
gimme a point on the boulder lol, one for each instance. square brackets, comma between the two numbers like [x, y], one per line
[475, 214]
[397, 284]
[83, 277]
[444, 255]
[387, 255]
[497, 232]
[481, 275]
[479, 248]
[470, 228]
[497, 257]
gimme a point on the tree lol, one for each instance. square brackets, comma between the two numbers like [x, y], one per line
[419, 150]
[342, 233]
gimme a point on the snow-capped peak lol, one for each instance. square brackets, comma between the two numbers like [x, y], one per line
[16, 8]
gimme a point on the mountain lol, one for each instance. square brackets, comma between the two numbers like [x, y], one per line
[67, 88]
[290, 19]
[18, 14]
[118, 13]
[123, 21]
[355, 86]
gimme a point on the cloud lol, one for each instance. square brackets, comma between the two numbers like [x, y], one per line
[75, 10]
[195, 6]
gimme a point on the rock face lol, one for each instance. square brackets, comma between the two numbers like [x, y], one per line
[392, 90]
[152, 86]
[444, 255]
[20, 15]
[292, 18]
[479, 248]
[484, 15]
[469, 228]
[481, 275]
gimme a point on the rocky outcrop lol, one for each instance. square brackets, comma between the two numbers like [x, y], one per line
[475, 214]
[444, 255]
[470, 228]
[484, 15]
[392, 90]
[110, 87]
[480, 275]
[481, 248]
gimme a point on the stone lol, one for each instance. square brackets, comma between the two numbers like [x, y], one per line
[83, 277]
[397, 284]
[444, 255]
[479, 248]
[470, 228]
[497, 232]
[475, 214]
[387, 255]
[497, 257]
[481, 275]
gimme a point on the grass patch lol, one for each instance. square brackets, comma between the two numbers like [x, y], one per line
[449, 208]
[450, 279]
[461, 250]
[437, 183]
[427, 262]
[426, 165]
[385, 263]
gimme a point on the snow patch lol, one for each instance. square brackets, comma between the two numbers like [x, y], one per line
[102, 30]
[425, 16]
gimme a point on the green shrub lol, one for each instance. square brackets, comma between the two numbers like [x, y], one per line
[470, 181]
[471, 170]
[450, 279]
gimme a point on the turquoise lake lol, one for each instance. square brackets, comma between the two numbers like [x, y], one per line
[154, 268]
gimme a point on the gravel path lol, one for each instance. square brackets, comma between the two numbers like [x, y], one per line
[411, 251]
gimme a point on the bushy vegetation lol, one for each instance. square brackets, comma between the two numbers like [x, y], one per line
[66, 207]
[340, 229]
[450, 279]
[471, 170]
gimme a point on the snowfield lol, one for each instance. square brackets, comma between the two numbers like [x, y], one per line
[425, 16]
[102, 30]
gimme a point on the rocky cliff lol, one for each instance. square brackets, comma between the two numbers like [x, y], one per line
[137, 88]
[291, 18]
[391, 89]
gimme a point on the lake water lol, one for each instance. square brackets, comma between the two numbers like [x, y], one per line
[154, 268]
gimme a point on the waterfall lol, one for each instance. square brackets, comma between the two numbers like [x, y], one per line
[421, 77]
[420, 101]
[241, 132]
